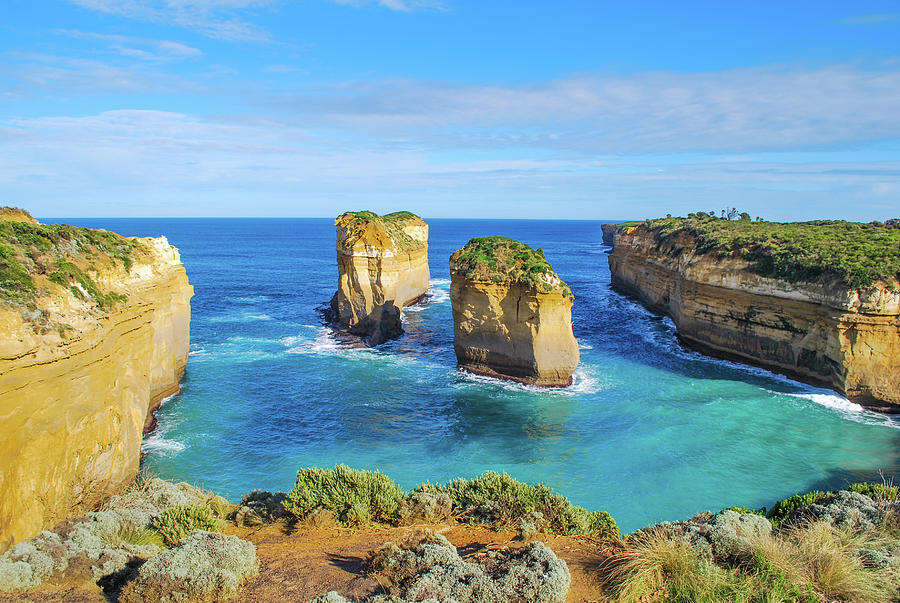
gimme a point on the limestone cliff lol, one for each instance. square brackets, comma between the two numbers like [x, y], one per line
[382, 267]
[512, 315]
[609, 233]
[821, 330]
[95, 333]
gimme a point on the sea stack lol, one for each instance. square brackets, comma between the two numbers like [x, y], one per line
[512, 315]
[95, 333]
[382, 267]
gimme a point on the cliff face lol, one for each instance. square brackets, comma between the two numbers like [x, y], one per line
[823, 333]
[509, 327]
[609, 233]
[382, 267]
[78, 380]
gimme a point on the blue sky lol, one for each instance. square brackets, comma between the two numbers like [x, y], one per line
[450, 108]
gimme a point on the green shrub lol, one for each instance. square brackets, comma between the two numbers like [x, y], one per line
[392, 224]
[177, 522]
[745, 510]
[500, 499]
[876, 491]
[785, 507]
[353, 496]
[500, 259]
[857, 254]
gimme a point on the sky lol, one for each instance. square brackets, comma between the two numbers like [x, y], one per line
[450, 108]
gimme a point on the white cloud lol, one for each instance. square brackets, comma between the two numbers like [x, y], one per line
[214, 166]
[127, 45]
[212, 18]
[398, 5]
[737, 110]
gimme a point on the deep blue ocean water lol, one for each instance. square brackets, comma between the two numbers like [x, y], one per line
[649, 431]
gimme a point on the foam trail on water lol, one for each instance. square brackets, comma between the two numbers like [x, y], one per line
[665, 337]
[583, 382]
[438, 293]
[155, 443]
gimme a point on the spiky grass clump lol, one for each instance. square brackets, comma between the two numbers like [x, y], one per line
[826, 560]
[354, 497]
[177, 522]
[654, 567]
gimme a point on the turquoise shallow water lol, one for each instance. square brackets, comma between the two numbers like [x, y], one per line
[648, 432]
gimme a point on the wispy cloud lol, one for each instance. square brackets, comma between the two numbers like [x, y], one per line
[212, 18]
[736, 110]
[213, 165]
[131, 45]
[398, 5]
[873, 19]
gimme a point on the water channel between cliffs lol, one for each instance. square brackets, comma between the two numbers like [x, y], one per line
[648, 431]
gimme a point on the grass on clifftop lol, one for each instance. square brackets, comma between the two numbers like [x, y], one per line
[501, 260]
[858, 254]
[392, 224]
[59, 253]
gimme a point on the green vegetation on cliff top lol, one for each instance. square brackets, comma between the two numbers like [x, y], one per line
[857, 254]
[60, 253]
[391, 223]
[358, 497]
[503, 260]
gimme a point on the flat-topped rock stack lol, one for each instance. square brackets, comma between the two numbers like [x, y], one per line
[512, 315]
[382, 267]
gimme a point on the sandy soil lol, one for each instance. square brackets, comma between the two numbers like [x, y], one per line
[298, 563]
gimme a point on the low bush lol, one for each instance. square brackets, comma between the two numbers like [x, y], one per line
[497, 498]
[177, 522]
[354, 497]
[203, 567]
[432, 570]
[783, 508]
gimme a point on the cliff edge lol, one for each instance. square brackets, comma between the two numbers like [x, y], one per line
[382, 267]
[817, 301]
[95, 334]
[512, 315]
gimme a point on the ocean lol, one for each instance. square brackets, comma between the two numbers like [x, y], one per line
[649, 431]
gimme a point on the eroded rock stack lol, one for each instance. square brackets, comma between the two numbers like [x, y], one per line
[512, 314]
[95, 334]
[382, 267]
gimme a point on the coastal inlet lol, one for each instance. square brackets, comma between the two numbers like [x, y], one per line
[647, 431]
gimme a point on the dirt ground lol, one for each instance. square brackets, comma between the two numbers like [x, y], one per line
[297, 563]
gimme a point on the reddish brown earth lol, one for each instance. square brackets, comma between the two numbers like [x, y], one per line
[298, 563]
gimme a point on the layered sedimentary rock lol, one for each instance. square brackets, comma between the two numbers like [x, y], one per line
[92, 340]
[825, 333]
[512, 315]
[609, 233]
[382, 267]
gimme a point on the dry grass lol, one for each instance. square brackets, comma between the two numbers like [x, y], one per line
[825, 560]
[654, 567]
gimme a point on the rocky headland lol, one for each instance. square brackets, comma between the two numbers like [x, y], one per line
[512, 315]
[95, 334]
[382, 267]
[817, 301]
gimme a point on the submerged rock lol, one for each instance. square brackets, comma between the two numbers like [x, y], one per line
[512, 314]
[382, 267]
